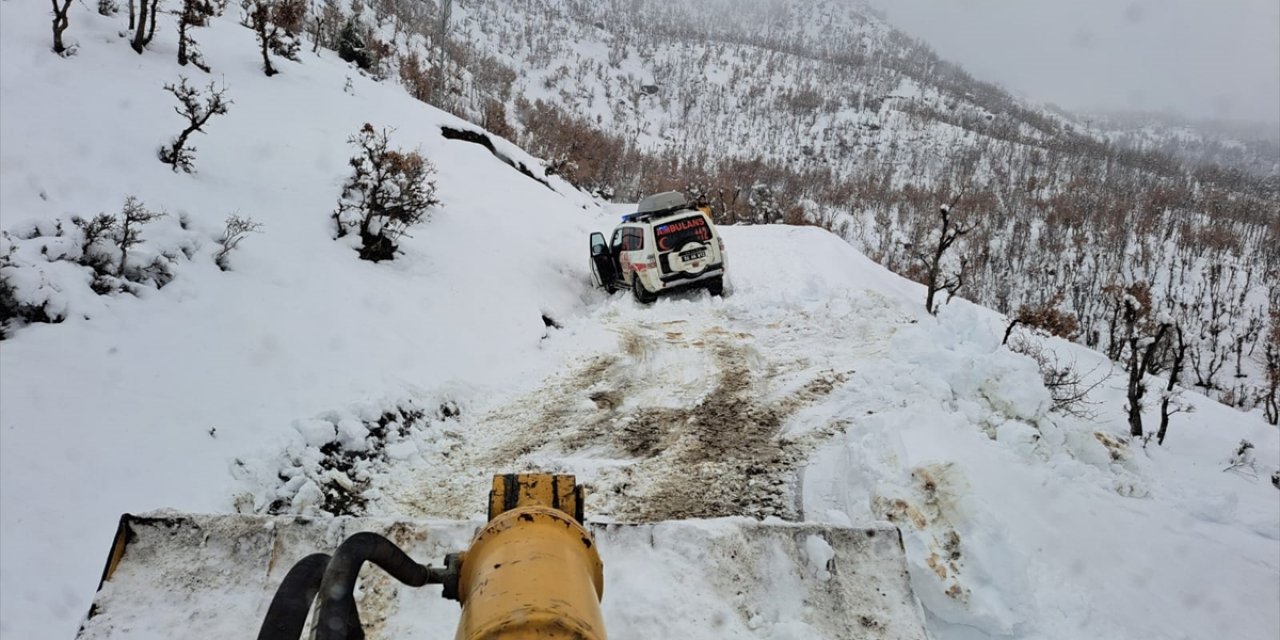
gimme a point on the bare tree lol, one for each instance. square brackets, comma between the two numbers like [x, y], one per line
[146, 23]
[139, 25]
[1142, 344]
[151, 21]
[949, 232]
[1169, 400]
[195, 13]
[325, 25]
[261, 19]
[197, 109]
[1218, 303]
[278, 23]
[1271, 396]
[133, 216]
[442, 40]
[237, 229]
[60, 23]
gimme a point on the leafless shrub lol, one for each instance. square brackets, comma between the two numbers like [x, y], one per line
[93, 232]
[1068, 387]
[104, 234]
[278, 23]
[388, 192]
[237, 229]
[588, 158]
[1046, 317]
[197, 108]
[1242, 460]
[132, 218]
[416, 76]
[492, 76]
[495, 120]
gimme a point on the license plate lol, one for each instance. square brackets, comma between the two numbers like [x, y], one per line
[693, 255]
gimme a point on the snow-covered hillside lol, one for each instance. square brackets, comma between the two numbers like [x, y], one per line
[819, 110]
[818, 385]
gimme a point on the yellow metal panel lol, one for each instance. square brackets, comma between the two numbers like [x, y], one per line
[118, 545]
[515, 490]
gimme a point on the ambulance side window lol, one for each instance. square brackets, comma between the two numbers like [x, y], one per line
[632, 239]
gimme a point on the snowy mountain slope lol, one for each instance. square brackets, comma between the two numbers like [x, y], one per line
[835, 398]
[821, 111]
[815, 84]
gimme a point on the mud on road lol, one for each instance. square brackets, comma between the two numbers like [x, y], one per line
[704, 441]
[666, 415]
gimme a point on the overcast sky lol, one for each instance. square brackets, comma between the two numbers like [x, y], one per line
[1199, 58]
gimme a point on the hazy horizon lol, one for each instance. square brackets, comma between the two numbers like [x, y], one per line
[1197, 60]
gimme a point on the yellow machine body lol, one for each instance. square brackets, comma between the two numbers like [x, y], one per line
[533, 571]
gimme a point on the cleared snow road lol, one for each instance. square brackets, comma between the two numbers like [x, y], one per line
[693, 407]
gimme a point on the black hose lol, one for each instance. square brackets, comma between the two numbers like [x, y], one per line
[337, 617]
[288, 611]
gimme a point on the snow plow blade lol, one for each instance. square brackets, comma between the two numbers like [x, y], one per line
[180, 575]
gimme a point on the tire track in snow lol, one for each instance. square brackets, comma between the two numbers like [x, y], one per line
[664, 412]
[717, 450]
[697, 412]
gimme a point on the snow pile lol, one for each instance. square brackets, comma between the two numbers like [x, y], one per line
[1027, 524]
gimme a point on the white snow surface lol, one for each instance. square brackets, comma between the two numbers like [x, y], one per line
[1018, 522]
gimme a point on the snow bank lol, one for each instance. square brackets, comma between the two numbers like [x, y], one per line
[1021, 523]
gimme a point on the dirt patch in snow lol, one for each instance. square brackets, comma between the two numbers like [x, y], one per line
[719, 454]
[927, 511]
[700, 417]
